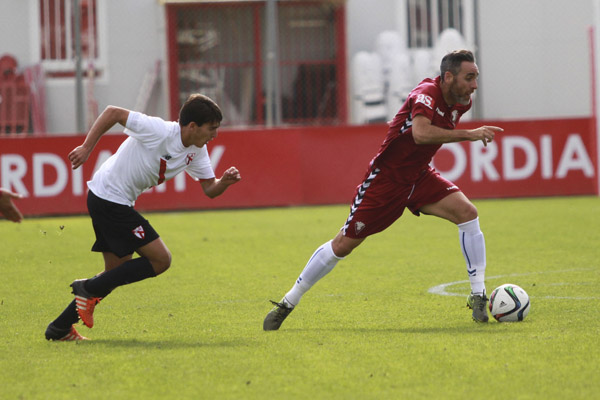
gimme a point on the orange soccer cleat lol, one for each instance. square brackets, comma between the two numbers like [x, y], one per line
[85, 302]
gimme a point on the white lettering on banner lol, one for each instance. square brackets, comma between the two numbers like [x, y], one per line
[460, 161]
[14, 168]
[179, 182]
[40, 189]
[574, 157]
[215, 156]
[509, 170]
[482, 160]
[160, 188]
[77, 181]
[546, 158]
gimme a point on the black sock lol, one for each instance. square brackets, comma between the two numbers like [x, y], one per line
[129, 272]
[67, 318]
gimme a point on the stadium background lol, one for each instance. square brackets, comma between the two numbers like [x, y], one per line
[304, 101]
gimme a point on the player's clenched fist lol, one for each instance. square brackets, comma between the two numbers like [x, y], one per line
[78, 156]
[231, 176]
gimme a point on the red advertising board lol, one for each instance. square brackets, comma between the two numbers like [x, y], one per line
[530, 158]
[315, 165]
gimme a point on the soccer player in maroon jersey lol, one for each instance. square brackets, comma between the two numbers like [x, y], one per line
[399, 177]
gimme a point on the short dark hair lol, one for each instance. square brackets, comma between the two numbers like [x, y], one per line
[452, 61]
[200, 109]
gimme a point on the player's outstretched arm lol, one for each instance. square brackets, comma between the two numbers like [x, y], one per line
[109, 117]
[7, 208]
[215, 187]
[426, 133]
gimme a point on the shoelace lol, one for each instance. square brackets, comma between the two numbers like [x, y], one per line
[282, 311]
[481, 305]
[280, 305]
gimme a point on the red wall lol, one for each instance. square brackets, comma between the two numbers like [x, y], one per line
[316, 165]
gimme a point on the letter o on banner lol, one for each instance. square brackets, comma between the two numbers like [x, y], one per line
[459, 164]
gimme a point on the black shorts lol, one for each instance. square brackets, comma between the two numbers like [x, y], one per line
[119, 229]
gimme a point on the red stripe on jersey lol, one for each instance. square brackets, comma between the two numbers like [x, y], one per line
[161, 171]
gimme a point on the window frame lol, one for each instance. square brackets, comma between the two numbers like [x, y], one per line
[434, 21]
[64, 68]
[259, 63]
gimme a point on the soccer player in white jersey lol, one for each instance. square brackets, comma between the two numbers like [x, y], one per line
[399, 177]
[155, 151]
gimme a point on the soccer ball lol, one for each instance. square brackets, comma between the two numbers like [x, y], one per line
[509, 303]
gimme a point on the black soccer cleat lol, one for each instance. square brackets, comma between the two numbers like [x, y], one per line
[63, 335]
[478, 303]
[276, 316]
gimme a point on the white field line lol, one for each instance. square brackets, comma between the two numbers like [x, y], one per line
[442, 288]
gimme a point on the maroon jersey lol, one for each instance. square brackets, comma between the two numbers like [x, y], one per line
[400, 158]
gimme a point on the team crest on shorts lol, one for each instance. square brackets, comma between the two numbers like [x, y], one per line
[359, 226]
[139, 232]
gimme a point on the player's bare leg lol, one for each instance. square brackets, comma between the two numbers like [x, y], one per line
[112, 261]
[323, 260]
[158, 254]
[457, 208]
[343, 245]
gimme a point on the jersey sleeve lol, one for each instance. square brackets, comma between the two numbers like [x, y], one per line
[148, 130]
[201, 168]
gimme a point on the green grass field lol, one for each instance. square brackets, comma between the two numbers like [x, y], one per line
[370, 330]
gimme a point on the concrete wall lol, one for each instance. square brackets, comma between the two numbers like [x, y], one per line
[14, 29]
[535, 58]
[365, 19]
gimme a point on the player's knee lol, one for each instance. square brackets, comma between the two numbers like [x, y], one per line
[162, 262]
[343, 246]
[468, 212]
[342, 251]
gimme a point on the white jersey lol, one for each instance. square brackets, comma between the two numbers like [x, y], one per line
[152, 154]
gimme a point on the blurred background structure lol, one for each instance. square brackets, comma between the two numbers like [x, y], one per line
[284, 62]
[306, 87]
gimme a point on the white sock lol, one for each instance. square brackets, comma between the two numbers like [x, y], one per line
[320, 264]
[472, 244]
